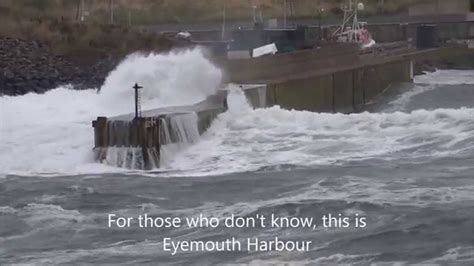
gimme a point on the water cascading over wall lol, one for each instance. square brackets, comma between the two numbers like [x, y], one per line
[143, 143]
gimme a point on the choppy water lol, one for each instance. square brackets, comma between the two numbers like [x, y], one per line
[408, 165]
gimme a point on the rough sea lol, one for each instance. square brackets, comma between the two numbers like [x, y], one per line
[407, 165]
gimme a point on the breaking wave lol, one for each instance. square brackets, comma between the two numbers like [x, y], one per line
[51, 133]
[274, 137]
[179, 78]
[243, 139]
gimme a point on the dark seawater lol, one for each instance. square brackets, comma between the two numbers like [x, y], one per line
[415, 185]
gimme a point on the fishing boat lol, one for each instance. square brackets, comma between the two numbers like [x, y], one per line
[352, 30]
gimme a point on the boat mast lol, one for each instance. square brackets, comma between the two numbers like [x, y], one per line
[350, 24]
[355, 22]
[348, 15]
[224, 18]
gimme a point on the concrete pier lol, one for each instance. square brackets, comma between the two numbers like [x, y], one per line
[137, 142]
[141, 133]
[329, 79]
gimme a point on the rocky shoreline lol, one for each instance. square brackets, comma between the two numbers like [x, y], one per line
[29, 66]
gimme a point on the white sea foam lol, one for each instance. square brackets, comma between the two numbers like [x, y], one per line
[179, 78]
[341, 189]
[446, 77]
[46, 215]
[458, 255]
[335, 259]
[75, 256]
[247, 140]
[7, 209]
[52, 132]
[47, 133]
[406, 97]
[41, 216]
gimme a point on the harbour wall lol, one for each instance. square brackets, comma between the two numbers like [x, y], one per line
[344, 91]
[329, 79]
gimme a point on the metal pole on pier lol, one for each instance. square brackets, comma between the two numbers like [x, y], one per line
[137, 100]
[254, 14]
[224, 18]
[111, 11]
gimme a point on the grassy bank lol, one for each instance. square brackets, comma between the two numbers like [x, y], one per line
[85, 43]
[58, 23]
[48, 22]
[186, 11]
